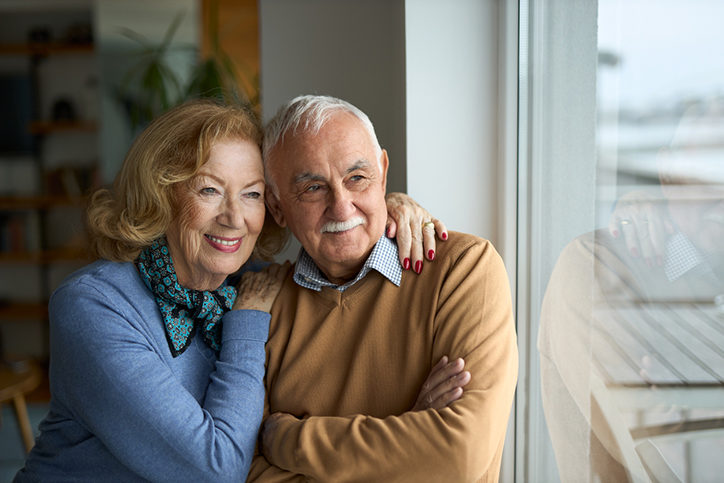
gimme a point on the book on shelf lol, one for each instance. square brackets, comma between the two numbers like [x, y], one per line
[20, 232]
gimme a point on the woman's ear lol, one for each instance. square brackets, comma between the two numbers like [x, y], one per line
[272, 204]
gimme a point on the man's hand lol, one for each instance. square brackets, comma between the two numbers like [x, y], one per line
[443, 386]
[415, 228]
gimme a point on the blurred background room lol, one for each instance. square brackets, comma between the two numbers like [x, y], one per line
[561, 130]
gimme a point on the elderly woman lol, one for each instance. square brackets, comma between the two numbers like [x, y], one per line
[156, 365]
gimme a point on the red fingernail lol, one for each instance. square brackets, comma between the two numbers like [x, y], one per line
[444, 235]
[406, 264]
[431, 254]
[418, 266]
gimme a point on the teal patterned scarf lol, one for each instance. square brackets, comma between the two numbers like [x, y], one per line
[184, 311]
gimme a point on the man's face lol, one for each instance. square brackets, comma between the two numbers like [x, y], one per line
[331, 194]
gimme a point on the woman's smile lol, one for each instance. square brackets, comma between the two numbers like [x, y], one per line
[228, 245]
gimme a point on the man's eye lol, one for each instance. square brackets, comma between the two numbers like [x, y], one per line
[312, 192]
[357, 182]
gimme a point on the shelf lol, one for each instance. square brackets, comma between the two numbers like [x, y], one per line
[23, 311]
[43, 49]
[48, 127]
[46, 256]
[49, 56]
[9, 203]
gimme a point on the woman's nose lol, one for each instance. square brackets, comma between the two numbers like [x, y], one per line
[232, 214]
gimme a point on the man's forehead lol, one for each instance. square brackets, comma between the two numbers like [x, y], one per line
[340, 124]
[342, 145]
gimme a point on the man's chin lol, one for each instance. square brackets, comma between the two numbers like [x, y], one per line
[344, 256]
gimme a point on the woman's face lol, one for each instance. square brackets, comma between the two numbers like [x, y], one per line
[219, 214]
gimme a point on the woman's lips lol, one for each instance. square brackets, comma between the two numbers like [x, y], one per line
[223, 244]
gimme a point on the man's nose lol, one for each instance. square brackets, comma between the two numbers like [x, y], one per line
[341, 205]
[231, 213]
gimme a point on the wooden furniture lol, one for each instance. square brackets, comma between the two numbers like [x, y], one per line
[658, 359]
[662, 354]
[15, 382]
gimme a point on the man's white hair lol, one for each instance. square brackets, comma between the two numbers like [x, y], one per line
[308, 114]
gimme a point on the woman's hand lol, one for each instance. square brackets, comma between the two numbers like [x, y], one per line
[414, 229]
[644, 224]
[443, 386]
[258, 290]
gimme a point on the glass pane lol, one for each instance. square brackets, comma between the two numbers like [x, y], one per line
[630, 326]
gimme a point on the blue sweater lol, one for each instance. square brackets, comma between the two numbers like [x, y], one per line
[123, 409]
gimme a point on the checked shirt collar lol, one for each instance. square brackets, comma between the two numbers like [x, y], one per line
[383, 258]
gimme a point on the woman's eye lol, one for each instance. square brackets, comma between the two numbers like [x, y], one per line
[208, 190]
[254, 195]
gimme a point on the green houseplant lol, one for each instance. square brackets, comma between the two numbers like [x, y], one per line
[152, 85]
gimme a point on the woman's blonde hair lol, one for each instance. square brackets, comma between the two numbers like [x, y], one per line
[171, 150]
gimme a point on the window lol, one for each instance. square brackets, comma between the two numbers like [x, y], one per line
[620, 272]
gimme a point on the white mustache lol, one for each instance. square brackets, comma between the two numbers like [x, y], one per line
[337, 226]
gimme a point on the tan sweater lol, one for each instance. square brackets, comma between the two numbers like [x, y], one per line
[350, 366]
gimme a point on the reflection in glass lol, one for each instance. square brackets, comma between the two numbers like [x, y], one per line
[632, 324]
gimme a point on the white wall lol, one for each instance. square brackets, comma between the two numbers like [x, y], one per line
[425, 71]
[452, 108]
[353, 50]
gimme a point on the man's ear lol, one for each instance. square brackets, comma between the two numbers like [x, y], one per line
[384, 164]
[272, 204]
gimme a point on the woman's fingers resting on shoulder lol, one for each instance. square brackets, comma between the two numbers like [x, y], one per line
[414, 228]
[258, 290]
[642, 223]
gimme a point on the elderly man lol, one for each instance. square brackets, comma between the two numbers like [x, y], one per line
[354, 335]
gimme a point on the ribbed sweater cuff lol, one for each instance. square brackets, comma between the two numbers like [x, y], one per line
[246, 325]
